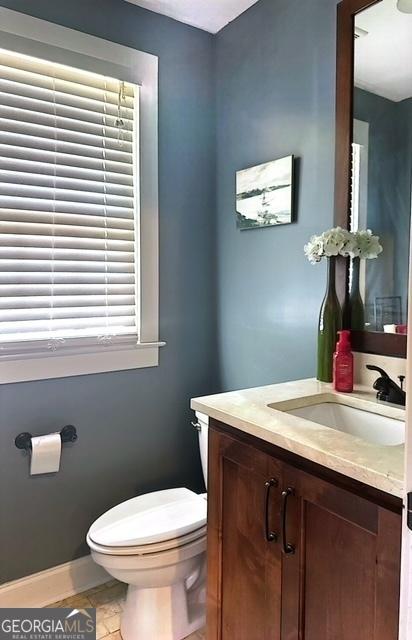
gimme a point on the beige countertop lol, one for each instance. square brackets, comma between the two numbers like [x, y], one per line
[248, 410]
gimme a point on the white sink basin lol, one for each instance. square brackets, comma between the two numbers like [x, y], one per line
[367, 425]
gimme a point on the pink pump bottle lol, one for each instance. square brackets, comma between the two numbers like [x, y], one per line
[343, 364]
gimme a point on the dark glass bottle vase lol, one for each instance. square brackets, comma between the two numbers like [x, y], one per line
[330, 322]
[354, 308]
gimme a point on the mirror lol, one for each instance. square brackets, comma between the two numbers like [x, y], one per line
[381, 163]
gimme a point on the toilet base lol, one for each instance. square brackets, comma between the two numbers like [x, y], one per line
[164, 613]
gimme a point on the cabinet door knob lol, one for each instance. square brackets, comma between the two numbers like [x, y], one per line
[271, 536]
[288, 549]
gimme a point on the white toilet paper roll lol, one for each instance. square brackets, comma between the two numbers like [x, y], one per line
[45, 454]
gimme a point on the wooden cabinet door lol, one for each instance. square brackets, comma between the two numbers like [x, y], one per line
[342, 582]
[244, 568]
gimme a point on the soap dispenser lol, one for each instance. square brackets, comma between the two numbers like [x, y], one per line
[343, 364]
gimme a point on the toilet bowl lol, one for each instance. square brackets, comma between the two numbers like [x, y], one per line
[156, 543]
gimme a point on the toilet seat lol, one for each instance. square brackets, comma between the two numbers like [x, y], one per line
[151, 523]
[168, 545]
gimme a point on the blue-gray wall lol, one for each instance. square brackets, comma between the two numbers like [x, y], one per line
[133, 427]
[274, 75]
[389, 193]
[275, 69]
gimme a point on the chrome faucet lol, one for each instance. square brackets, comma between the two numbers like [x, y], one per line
[388, 390]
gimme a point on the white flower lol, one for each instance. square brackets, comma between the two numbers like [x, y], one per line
[314, 249]
[329, 244]
[365, 245]
[340, 242]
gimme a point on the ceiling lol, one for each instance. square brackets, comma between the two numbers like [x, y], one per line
[209, 15]
[383, 57]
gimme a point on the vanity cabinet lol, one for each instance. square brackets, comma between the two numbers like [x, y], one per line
[296, 552]
[244, 569]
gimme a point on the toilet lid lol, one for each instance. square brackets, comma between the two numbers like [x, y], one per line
[150, 518]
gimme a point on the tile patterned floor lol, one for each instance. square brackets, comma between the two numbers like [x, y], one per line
[108, 599]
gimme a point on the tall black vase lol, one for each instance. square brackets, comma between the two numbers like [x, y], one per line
[354, 309]
[330, 322]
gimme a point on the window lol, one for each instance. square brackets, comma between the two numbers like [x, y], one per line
[77, 294]
[355, 184]
[359, 187]
[67, 207]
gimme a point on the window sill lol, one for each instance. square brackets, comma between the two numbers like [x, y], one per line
[58, 365]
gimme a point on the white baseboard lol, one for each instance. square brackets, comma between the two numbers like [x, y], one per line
[52, 585]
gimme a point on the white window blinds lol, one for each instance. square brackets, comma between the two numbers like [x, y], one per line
[68, 158]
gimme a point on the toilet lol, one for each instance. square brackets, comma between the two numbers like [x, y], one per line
[156, 544]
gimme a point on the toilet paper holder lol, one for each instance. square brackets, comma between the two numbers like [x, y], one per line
[67, 434]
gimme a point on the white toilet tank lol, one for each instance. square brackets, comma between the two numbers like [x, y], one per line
[203, 428]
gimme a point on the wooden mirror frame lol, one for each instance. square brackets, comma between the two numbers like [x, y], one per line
[387, 344]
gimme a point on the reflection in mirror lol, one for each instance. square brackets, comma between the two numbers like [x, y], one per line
[382, 158]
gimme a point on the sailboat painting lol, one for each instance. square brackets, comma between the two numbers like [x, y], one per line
[264, 194]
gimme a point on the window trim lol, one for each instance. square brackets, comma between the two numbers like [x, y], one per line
[361, 140]
[43, 39]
